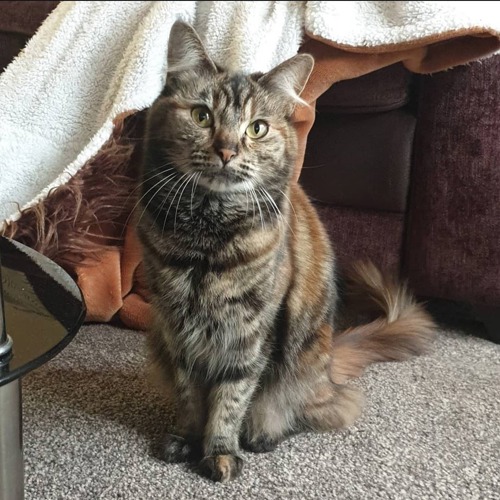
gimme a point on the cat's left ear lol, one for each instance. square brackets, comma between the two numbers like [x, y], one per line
[186, 51]
[290, 76]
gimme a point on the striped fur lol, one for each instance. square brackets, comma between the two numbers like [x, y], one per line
[241, 270]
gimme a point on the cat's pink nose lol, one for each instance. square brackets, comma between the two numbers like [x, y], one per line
[226, 154]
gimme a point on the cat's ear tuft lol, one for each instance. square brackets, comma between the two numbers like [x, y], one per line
[290, 77]
[186, 50]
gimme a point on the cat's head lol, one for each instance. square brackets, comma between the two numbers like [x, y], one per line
[230, 132]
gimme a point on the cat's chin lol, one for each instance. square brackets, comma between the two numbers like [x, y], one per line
[221, 185]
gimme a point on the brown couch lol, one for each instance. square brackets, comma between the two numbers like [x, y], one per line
[405, 169]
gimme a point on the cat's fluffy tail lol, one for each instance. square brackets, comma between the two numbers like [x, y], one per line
[402, 330]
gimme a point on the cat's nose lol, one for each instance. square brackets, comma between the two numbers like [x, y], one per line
[226, 154]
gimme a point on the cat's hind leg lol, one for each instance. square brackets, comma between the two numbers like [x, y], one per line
[325, 405]
[271, 418]
[300, 406]
[331, 406]
[299, 396]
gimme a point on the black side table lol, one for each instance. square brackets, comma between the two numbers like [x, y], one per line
[41, 309]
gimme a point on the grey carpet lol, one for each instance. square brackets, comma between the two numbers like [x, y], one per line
[430, 429]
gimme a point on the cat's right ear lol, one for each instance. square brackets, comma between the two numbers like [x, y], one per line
[186, 51]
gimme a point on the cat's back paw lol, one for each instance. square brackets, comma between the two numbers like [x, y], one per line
[260, 444]
[176, 449]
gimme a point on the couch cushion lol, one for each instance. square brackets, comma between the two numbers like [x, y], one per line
[386, 89]
[356, 234]
[360, 160]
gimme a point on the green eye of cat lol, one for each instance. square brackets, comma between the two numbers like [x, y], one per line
[257, 129]
[202, 117]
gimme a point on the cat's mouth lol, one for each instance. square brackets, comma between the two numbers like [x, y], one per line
[222, 179]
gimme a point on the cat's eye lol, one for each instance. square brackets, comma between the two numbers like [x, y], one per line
[257, 129]
[202, 117]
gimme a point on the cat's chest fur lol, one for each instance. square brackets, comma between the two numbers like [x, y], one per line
[218, 294]
[218, 321]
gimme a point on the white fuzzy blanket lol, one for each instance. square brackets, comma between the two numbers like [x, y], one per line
[92, 61]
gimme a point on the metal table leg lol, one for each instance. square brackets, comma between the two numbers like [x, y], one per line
[11, 442]
[36, 287]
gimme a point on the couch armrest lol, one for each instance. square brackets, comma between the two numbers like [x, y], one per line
[452, 248]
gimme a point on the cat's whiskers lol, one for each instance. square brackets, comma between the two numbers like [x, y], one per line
[147, 179]
[256, 198]
[277, 210]
[162, 183]
[164, 171]
[291, 204]
[180, 180]
[247, 192]
[267, 205]
[185, 184]
[140, 184]
[193, 189]
[246, 195]
[253, 212]
[141, 198]
[310, 167]
[165, 199]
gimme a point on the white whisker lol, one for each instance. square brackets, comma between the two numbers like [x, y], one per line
[246, 194]
[254, 194]
[193, 189]
[141, 198]
[267, 206]
[288, 199]
[277, 210]
[162, 183]
[171, 177]
[253, 211]
[173, 199]
[186, 183]
[146, 180]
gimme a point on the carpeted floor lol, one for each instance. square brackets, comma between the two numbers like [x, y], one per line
[430, 430]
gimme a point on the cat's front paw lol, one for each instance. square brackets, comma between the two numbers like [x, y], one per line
[221, 468]
[175, 449]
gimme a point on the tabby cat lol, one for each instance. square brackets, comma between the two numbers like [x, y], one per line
[241, 272]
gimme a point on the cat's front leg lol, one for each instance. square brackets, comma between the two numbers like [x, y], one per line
[186, 443]
[228, 403]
